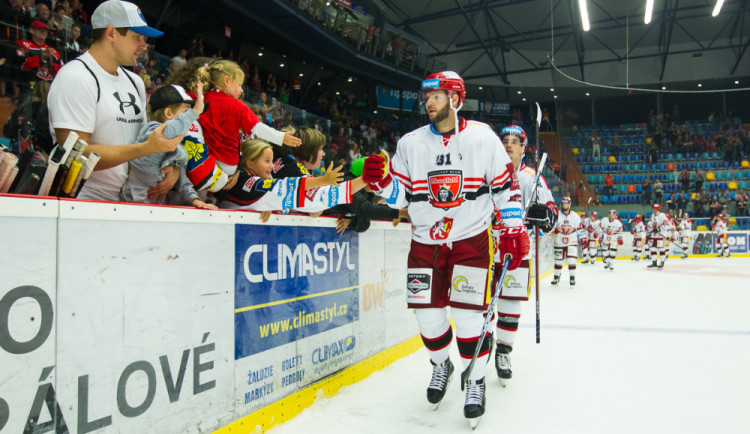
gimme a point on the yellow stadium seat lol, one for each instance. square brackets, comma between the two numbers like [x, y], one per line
[701, 228]
[710, 175]
[692, 196]
[612, 159]
[576, 151]
[648, 140]
[732, 186]
[732, 221]
[745, 163]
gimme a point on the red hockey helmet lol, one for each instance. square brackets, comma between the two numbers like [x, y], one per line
[584, 214]
[613, 211]
[720, 216]
[448, 81]
[666, 214]
[595, 215]
[564, 199]
[515, 130]
[638, 218]
[656, 207]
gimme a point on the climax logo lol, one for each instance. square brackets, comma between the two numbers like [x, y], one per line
[417, 282]
[338, 348]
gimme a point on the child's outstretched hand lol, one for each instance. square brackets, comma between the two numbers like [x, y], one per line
[333, 176]
[198, 98]
[265, 215]
[290, 140]
[200, 204]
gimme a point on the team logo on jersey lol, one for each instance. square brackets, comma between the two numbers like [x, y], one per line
[277, 165]
[249, 184]
[130, 103]
[441, 229]
[445, 188]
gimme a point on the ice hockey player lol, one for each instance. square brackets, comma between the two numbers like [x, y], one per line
[449, 174]
[656, 227]
[684, 234]
[542, 214]
[583, 234]
[595, 234]
[611, 239]
[639, 233]
[720, 226]
[566, 245]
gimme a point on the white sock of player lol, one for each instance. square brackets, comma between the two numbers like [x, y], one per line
[612, 254]
[468, 326]
[572, 263]
[436, 332]
[508, 317]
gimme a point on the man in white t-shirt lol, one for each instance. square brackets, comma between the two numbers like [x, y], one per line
[106, 105]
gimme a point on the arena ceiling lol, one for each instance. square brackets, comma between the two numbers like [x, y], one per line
[505, 45]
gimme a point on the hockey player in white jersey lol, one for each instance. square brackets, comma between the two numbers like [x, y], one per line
[611, 239]
[594, 229]
[515, 288]
[450, 174]
[639, 235]
[656, 227]
[583, 234]
[720, 226]
[684, 231]
[566, 245]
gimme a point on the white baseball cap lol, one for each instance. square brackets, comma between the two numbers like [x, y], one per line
[122, 14]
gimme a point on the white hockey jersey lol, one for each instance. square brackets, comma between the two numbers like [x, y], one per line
[659, 225]
[566, 226]
[582, 230]
[450, 183]
[720, 227]
[612, 230]
[639, 230]
[684, 228]
[595, 229]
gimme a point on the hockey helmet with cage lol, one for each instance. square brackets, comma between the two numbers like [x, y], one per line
[515, 130]
[448, 81]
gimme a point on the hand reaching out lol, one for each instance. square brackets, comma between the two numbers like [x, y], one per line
[199, 105]
[203, 205]
[290, 140]
[333, 176]
[342, 224]
[265, 216]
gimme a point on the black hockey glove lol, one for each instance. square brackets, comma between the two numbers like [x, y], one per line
[541, 217]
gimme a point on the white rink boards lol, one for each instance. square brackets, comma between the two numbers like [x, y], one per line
[633, 350]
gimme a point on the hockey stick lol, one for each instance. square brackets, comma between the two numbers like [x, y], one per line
[496, 295]
[536, 229]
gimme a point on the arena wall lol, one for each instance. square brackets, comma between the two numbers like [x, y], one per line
[134, 318]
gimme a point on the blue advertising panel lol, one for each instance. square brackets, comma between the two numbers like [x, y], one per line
[389, 98]
[737, 242]
[494, 108]
[290, 283]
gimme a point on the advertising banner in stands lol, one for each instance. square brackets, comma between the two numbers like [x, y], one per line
[471, 105]
[389, 98]
[495, 108]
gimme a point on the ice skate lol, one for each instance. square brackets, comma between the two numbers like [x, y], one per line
[653, 264]
[555, 280]
[475, 401]
[684, 256]
[592, 260]
[502, 362]
[635, 258]
[441, 378]
[572, 281]
[661, 264]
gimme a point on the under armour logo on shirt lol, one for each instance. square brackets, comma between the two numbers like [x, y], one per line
[130, 103]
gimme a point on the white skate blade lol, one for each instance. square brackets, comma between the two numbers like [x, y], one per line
[474, 422]
[503, 382]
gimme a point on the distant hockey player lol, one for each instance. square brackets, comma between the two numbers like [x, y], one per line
[450, 259]
[720, 226]
[611, 239]
[595, 234]
[583, 234]
[515, 289]
[683, 228]
[656, 227]
[639, 234]
[566, 245]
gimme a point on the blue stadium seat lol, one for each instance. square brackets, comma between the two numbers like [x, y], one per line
[723, 186]
[638, 198]
[604, 199]
[639, 188]
[713, 186]
[666, 196]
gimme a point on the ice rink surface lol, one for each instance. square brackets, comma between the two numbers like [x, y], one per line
[635, 350]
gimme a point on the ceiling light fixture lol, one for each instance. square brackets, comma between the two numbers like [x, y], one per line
[584, 15]
[649, 11]
[717, 8]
